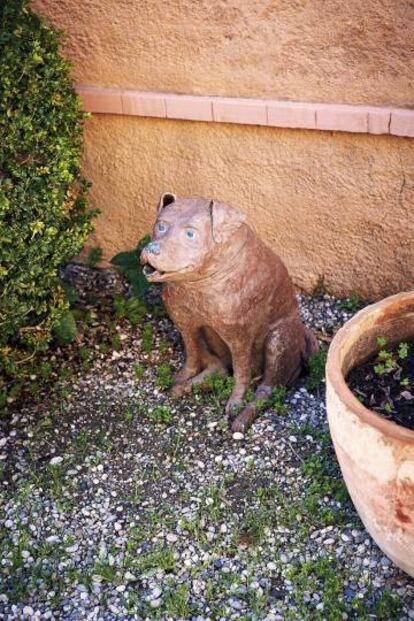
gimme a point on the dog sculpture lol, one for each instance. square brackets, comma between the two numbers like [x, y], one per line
[231, 298]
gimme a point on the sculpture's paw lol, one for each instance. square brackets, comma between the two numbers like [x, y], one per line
[245, 419]
[184, 375]
[233, 406]
[179, 389]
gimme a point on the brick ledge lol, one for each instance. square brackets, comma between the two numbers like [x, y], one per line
[268, 112]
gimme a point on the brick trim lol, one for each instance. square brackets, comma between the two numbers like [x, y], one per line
[268, 112]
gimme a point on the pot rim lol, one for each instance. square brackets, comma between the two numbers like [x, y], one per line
[336, 380]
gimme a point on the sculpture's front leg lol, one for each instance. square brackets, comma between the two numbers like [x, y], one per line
[193, 359]
[241, 354]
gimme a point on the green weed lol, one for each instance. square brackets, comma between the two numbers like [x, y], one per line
[317, 369]
[160, 414]
[163, 377]
[147, 337]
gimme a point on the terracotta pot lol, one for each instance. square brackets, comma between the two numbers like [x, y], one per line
[376, 455]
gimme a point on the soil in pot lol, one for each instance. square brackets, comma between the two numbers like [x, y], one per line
[385, 383]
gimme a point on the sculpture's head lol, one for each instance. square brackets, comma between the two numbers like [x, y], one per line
[187, 234]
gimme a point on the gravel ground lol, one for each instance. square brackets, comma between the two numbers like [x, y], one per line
[120, 503]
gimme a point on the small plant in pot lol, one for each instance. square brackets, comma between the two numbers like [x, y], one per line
[385, 383]
[370, 401]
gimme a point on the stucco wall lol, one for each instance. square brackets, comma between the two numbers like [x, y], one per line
[339, 51]
[333, 204]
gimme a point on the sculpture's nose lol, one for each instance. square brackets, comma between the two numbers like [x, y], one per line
[153, 248]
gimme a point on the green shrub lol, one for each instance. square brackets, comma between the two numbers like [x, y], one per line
[43, 217]
[128, 265]
[94, 256]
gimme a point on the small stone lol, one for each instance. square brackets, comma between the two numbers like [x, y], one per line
[55, 461]
[155, 593]
[72, 549]
[171, 538]
[237, 435]
[28, 611]
[155, 603]
[52, 539]
[82, 588]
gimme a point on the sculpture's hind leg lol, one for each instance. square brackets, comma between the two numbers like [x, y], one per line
[209, 365]
[285, 350]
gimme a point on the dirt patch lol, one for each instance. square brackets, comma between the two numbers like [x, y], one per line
[385, 383]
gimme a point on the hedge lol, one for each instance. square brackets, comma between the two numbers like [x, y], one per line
[44, 219]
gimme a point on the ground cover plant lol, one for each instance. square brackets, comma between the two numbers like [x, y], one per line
[120, 502]
[385, 383]
[43, 217]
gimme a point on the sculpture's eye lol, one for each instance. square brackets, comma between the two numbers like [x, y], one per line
[161, 227]
[189, 233]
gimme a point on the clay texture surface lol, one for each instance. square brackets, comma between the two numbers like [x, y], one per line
[230, 297]
[376, 455]
[326, 50]
[330, 204]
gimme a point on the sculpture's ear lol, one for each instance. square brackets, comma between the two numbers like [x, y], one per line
[224, 221]
[166, 199]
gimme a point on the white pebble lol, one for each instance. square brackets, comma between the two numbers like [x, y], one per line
[28, 611]
[55, 461]
[52, 539]
[155, 593]
[172, 538]
[237, 435]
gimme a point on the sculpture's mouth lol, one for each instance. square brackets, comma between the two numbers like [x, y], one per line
[148, 271]
[156, 275]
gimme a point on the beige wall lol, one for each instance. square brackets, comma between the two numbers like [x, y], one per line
[342, 51]
[333, 204]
